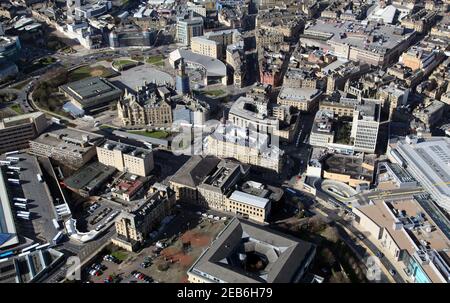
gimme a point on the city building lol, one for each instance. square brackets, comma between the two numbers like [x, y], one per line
[213, 70]
[212, 192]
[9, 48]
[254, 112]
[377, 45]
[411, 232]
[430, 113]
[91, 94]
[136, 223]
[393, 174]
[365, 126]
[149, 105]
[206, 47]
[186, 180]
[190, 110]
[355, 170]
[17, 131]
[322, 133]
[126, 158]
[304, 99]
[249, 206]
[69, 146]
[213, 44]
[89, 179]
[246, 146]
[131, 36]
[188, 28]
[426, 160]
[247, 253]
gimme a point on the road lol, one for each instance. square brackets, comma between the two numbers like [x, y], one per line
[333, 215]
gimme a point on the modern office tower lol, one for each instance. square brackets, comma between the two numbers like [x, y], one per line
[366, 122]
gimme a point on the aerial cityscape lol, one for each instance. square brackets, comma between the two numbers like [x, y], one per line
[225, 141]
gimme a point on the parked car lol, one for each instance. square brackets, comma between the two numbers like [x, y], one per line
[392, 272]
[380, 254]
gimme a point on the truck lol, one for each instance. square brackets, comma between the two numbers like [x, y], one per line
[56, 224]
[20, 199]
[57, 238]
[20, 205]
[16, 168]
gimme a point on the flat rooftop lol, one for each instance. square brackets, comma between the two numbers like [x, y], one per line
[428, 161]
[413, 219]
[89, 176]
[126, 149]
[356, 34]
[8, 233]
[69, 139]
[20, 119]
[304, 94]
[85, 90]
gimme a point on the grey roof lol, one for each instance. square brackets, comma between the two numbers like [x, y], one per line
[249, 199]
[214, 67]
[88, 91]
[195, 170]
[8, 234]
[221, 263]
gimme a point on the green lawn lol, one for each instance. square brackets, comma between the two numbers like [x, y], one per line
[158, 134]
[88, 71]
[121, 64]
[214, 92]
[39, 64]
[17, 109]
[120, 255]
[156, 60]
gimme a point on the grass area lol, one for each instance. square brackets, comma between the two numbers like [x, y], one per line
[156, 60]
[214, 92]
[90, 71]
[107, 126]
[17, 109]
[158, 134]
[123, 64]
[120, 255]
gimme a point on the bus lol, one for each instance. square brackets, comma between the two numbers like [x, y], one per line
[25, 213]
[15, 181]
[57, 238]
[3, 162]
[20, 205]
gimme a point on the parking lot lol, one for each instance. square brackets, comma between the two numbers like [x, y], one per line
[169, 256]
